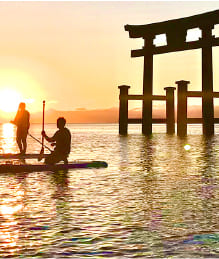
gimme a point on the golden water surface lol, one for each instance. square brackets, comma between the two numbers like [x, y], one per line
[157, 198]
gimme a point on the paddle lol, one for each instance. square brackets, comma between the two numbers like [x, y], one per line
[42, 149]
[39, 142]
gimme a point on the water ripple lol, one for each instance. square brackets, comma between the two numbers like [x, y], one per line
[158, 198]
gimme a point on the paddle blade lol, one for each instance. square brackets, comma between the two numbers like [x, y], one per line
[42, 150]
[41, 154]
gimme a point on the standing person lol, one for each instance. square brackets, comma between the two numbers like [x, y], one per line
[22, 121]
[62, 142]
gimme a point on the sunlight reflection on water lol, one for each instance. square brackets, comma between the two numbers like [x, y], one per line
[156, 198]
[7, 135]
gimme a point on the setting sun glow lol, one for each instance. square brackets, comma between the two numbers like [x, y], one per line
[18, 85]
[9, 100]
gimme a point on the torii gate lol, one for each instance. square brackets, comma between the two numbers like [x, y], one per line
[176, 31]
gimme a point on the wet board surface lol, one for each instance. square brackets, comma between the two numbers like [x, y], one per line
[18, 156]
[16, 168]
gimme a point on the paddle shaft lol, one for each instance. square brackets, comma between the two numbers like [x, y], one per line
[42, 150]
[39, 142]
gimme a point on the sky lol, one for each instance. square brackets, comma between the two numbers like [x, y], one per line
[75, 54]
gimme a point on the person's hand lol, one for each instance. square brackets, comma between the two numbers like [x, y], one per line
[43, 133]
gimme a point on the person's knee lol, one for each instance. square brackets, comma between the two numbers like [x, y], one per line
[18, 139]
[51, 159]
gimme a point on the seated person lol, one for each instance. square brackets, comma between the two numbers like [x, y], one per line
[62, 142]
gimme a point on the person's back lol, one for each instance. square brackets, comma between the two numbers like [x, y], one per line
[63, 141]
[22, 120]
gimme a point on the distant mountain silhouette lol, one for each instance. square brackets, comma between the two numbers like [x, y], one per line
[110, 115]
[82, 115]
[78, 116]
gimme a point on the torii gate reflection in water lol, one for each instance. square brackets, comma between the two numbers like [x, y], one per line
[176, 31]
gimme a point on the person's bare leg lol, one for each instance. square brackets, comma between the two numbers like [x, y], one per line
[24, 141]
[18, 139]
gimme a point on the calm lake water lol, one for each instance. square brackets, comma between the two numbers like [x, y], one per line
[157, 198]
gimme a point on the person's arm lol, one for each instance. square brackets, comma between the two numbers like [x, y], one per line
[52, 139]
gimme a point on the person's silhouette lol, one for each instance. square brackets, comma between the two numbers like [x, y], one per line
[22, 121]
[62, 142]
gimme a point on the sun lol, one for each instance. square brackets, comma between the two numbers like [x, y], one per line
[9, 100]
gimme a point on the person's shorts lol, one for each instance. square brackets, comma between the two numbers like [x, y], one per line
[55, 157]
[22, 133]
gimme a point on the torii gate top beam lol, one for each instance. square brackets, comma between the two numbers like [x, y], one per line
[186, 23]
[176, 31]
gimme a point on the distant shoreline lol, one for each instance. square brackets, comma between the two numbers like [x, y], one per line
[38, 123]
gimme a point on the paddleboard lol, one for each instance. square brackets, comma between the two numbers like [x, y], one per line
[16, 168]
[18, 156]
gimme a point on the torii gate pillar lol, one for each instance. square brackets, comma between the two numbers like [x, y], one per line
[207, 81]
[147, 87]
